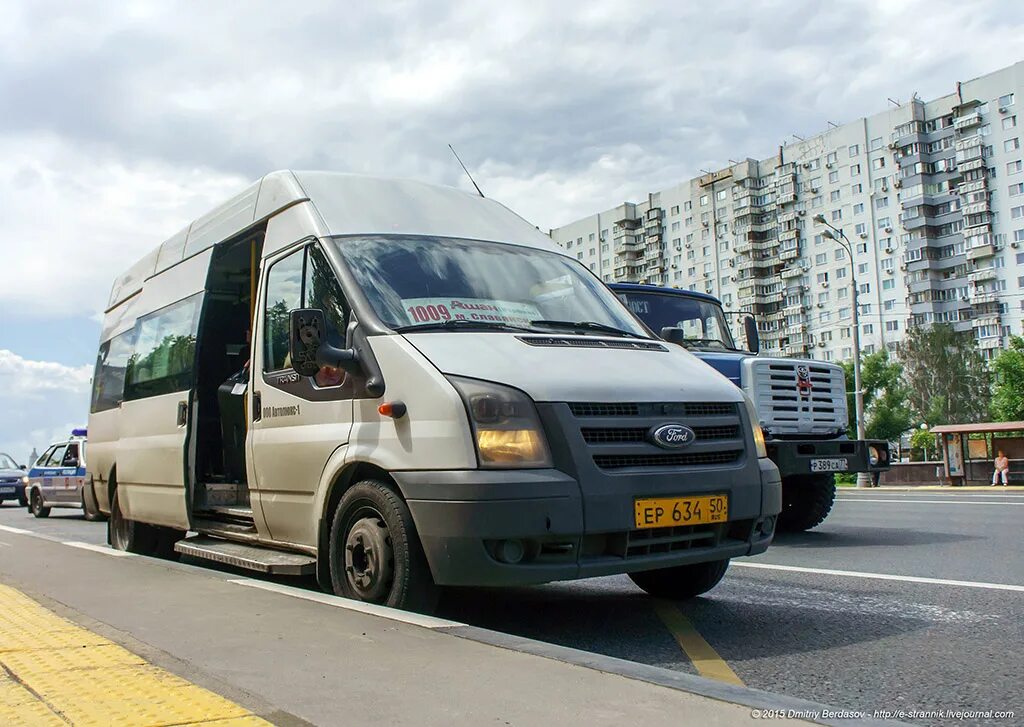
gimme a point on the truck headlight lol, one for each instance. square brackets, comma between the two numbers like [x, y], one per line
[759, 445]
[506, 427]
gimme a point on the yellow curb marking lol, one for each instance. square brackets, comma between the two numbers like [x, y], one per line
[54, 672]
[705, 659]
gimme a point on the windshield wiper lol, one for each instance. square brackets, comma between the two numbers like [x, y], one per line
[455, 323]
[702, 341]
[586, 326]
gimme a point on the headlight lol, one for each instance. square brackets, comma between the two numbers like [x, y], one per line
[24, 479]
[873, 456]
[759, 445]
[505, 425]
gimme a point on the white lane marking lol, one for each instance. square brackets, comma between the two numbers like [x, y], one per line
[882, 576]
[105, 549]
[924, 502]
[372, 609]
[19, 531]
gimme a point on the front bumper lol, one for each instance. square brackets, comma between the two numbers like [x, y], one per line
[12, 494]
[793, 456]
[466, 520]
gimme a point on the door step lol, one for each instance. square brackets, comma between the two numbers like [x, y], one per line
[250, 557]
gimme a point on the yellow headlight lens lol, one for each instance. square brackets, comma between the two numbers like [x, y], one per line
[510, 446]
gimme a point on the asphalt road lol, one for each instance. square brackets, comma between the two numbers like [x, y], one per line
[851, 641]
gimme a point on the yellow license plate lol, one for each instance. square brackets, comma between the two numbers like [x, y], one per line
[668, 512]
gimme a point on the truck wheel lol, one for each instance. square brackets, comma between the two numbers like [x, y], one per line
[129, 535]
[375, 552]
[37, 507]
[682, 581]
[806, 501]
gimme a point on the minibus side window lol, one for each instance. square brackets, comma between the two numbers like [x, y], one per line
[111, 365]
[284, 293]
[165, 347]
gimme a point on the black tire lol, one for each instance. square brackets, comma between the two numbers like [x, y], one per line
[375, 552]
[806, 501]
[129, 535]
[36, 505]
[90, 515]
[23, 499]
[682, 581]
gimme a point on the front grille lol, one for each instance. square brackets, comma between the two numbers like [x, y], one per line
[639, 434]
[667, 540]
[564, 342]
[618, 435]
[675, 409]
[604, 410]
[616, 461]
[786, 409]
[9, 480]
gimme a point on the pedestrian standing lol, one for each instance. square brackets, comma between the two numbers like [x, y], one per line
[1002, 469]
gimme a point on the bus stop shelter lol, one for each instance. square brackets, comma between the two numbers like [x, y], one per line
[969, 450]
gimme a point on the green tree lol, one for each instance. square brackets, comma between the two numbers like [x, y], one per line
[925, 441]
[945, 375]
[885, 397]
[1008, 389]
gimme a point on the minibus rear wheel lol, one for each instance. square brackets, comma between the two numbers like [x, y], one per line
[129, 535]
[375, 551]
[682, 581]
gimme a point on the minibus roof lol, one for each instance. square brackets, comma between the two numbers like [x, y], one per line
[348, 204]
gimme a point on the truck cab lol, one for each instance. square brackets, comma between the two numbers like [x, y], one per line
[801, 404]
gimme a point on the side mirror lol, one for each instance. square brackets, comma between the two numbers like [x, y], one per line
[750, 329]
[308, 350]
[673, 335]
[22, 467]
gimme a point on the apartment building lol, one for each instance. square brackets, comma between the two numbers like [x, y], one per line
[930, 195]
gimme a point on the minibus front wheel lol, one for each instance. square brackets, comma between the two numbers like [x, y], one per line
[375, 551]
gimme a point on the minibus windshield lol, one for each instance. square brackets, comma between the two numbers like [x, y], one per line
[429, 283]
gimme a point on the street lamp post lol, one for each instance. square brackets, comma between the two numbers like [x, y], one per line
[836, 234]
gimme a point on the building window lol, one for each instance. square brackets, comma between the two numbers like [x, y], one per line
[881, 203]
[837, 215]
[878, 163]
[876, 143]
[821, 258]
[833, 195]
[1014, 167]
[844, 313]
[833, 176]
[857, 188]
[861, 228]
[884, 222]
[888, 304]
[1006, 100]
[830, 158]
[674, 210]
[867, 329]
[703, 200]
[854, 150]
[892, 326]
[888, 284]
[687, 205]
[1011, 144]
[1017, 189]
[1009, 122]
[840, 254]
[858, 209]
[720, 195]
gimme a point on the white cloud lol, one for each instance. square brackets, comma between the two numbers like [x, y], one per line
[41, 401]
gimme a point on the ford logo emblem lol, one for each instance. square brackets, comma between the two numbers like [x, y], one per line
[673, 436]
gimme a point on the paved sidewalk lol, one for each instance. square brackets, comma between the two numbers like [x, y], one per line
[55, 672]
[297, 656]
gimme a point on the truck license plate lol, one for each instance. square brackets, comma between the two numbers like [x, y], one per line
[6, 490]
[830, 464]
[668, 512]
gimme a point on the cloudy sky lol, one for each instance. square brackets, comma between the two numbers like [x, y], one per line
[120, 122]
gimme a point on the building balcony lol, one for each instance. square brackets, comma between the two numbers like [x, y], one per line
[966, 122]
[990, 343]
[793, 271]
[978, 276]
[984, 297]
[977, 208]
[791, 254]
[970, 165]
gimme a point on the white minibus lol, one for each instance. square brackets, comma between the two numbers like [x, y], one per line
[398, 387]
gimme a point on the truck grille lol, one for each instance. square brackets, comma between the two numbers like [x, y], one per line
[787, 408]
[563, 342]
[620, 435]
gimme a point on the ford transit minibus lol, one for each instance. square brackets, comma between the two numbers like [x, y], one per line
[397, 387]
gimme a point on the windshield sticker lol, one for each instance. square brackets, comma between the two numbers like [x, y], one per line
[434, 310]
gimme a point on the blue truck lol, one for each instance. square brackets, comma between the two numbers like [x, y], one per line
[801, 404]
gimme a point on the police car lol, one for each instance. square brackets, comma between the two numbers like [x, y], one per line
[56, 478]
[12, 480]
